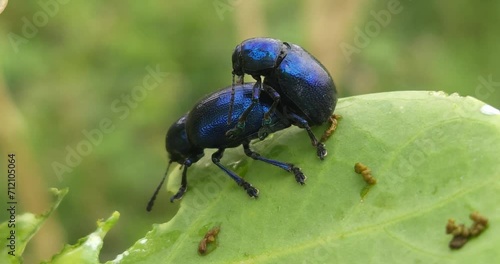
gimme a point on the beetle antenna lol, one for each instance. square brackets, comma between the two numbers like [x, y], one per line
[153, 198]
[231, 103]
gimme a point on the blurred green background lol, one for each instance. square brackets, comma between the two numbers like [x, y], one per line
[67, 67]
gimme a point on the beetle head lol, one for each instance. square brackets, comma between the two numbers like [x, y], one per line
[177, 144]
[238, 62]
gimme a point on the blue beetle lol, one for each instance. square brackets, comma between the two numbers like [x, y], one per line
[295, 79]
[205, 127]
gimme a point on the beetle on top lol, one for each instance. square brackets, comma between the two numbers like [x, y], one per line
[298, 83]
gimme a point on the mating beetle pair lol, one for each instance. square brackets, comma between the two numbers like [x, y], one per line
[293, 77]
[298, 91]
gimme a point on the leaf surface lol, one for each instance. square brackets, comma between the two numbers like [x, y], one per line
[435, 157]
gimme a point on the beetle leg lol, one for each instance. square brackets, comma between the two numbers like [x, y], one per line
[251, 191]
[183, 187]
[302, 123]
[234, 132]
[238, 129]
[265, 130]
[231, 102]
[299, 176]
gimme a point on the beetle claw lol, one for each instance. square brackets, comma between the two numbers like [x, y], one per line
[299, 176]
[321, 151]
[179, 194]
[233, 133]
[251, 191]
[264, 131]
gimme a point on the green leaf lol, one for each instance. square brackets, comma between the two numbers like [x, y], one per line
[87, 249]
[24, 227]
[434, 156]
